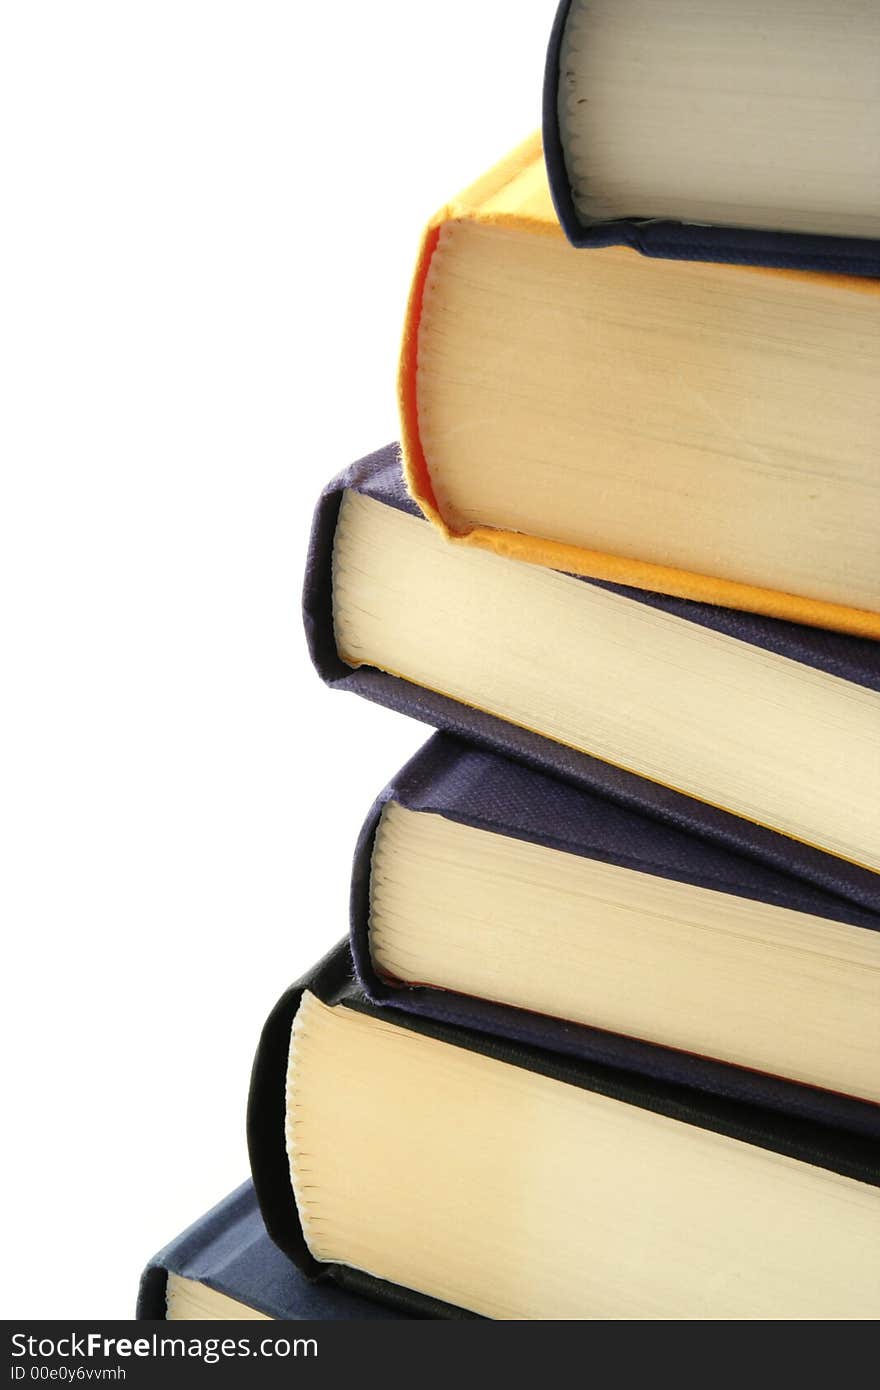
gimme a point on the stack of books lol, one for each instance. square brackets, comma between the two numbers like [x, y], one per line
[603, 1039]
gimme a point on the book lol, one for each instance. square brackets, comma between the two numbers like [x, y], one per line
[490, 895]
[718, 131]
[707, 431]
[757, 733]
[397, 1153]
[225, 1266]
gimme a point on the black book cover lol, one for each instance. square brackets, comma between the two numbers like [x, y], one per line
[332, 981]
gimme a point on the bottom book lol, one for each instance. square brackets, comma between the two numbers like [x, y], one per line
[226, 1267]
[468, 1174]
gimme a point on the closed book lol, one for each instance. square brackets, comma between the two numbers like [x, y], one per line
[754, 733]
[225, 1266]
[459, 1173]
[708, 431]
[487, 894]
[718, 132]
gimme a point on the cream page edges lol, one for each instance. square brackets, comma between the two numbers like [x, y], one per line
[517, 1196]
[704, 971]
[776, 742]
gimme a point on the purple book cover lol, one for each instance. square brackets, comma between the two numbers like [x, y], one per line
[857, 660]
[476, 788]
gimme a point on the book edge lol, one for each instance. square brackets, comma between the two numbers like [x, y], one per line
[538, 550]
[815, 253]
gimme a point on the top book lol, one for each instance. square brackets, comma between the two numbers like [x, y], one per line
[706, 431]
[718, 130]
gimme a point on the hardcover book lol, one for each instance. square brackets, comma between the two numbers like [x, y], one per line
[414, 1160]
[718, 131]
[758, 734]
[489, 895]
[225, 1266]
[700, 430]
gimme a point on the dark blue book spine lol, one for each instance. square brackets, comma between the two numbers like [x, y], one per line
[683, 241]
[229, 1251]
[858, 660]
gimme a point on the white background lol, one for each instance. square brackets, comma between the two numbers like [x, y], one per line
[210, 214]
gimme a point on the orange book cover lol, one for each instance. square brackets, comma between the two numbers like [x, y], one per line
[515, 194]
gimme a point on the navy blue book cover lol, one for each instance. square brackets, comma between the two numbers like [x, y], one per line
[480, 789]
[858, 660]
[333, 982]
[229, 1251]
[670, 240]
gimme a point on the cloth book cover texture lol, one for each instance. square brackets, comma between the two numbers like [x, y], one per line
[229, 1251]
[858, 660]
[332, 982]
[479, 789]
[515, 195]
[688, 241]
